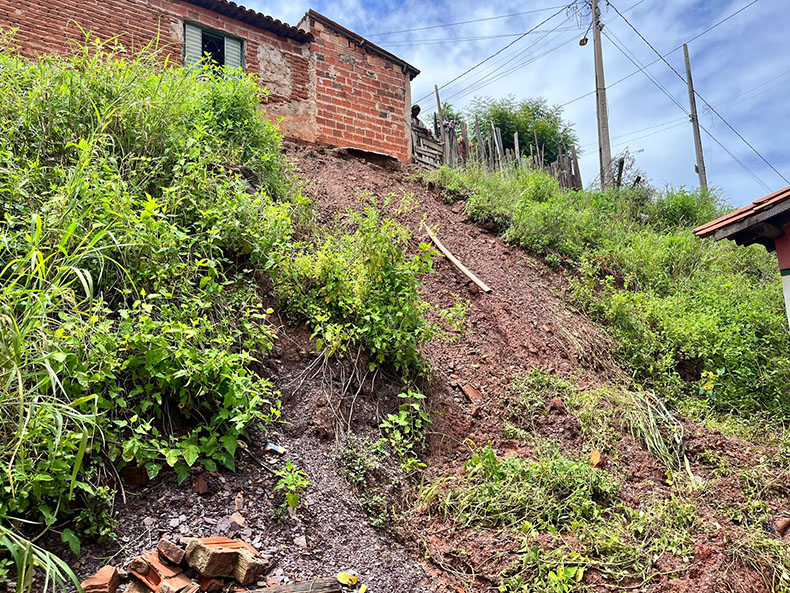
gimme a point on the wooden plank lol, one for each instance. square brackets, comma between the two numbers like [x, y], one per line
[500, 144]
[482, 285]
[577, 171]
[465, 140]
[518, 150]
[441, 121]
[481, 147]
[323, 585]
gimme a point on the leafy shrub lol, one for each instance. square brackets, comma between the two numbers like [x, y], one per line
[405, 429]
[360, 289]
[292, 482]
[129, 319]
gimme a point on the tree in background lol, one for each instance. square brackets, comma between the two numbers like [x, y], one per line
[526, 117]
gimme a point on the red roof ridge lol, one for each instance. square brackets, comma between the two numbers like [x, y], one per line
[765, 203]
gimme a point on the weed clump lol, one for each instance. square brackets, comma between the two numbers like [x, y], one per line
[551, 492]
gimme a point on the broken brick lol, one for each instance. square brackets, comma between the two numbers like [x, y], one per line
[157, 571]
[139, 565]
[106, 580]
[472, 393]
[210, 584]
[136, 586]
[170, 551]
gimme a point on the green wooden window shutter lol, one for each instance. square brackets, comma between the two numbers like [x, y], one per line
[233, 53]
[193, 44]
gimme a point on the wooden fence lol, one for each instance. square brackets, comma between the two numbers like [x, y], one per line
[454, 148]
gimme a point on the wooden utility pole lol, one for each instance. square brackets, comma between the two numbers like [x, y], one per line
[703, 177]
[441, 125]
[604, 146]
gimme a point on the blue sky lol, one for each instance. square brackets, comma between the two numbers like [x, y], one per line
[740, 68]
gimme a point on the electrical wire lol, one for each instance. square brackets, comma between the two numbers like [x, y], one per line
[663, 89]
[490, 18]
[440, 41]
[626, 77]
[464, 73]
[701, 98]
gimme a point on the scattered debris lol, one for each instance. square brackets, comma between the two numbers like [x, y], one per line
[199, 565]
[348, 577]
[782, 526]
[271, 447]
[200, 484]
[170, 551]
[323, 585]
[595, 458]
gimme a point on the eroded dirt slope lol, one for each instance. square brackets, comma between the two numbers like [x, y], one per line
[525, 323]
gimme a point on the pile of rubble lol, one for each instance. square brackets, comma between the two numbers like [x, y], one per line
[211, 565]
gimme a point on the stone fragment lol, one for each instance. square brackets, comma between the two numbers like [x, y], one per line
[174, 584]
[249, 567]
[170, 551]
[210, 561]
[238, 520]
[201, 484]
[782, 526]
[106, 580]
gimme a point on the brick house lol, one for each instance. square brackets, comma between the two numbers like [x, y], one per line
[327, 84]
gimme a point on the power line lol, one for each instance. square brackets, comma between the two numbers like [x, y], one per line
[626, 77]
[720, 116]
[475, 86]
[438, 41]
[652, 79]
[499, 51]
[490, 18]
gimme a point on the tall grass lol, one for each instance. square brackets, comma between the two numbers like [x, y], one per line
[128, 318]
[691, 317]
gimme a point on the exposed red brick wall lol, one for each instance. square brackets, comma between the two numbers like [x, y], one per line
[362, 98]
[330, 91]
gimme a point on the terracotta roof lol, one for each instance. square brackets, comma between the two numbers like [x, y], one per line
[362, 42]
[760, 211]
[254, 18]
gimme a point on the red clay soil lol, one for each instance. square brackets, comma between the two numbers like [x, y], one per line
[525, 323]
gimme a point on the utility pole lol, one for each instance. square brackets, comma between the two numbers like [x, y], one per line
[700, 167]
[604, 147]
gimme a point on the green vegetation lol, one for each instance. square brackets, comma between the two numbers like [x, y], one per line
[291, 482]
[357, 287]
[405, 429]
[361, 459]
[140, 206]
[549, 493]
[692, 318]
[529, 118]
